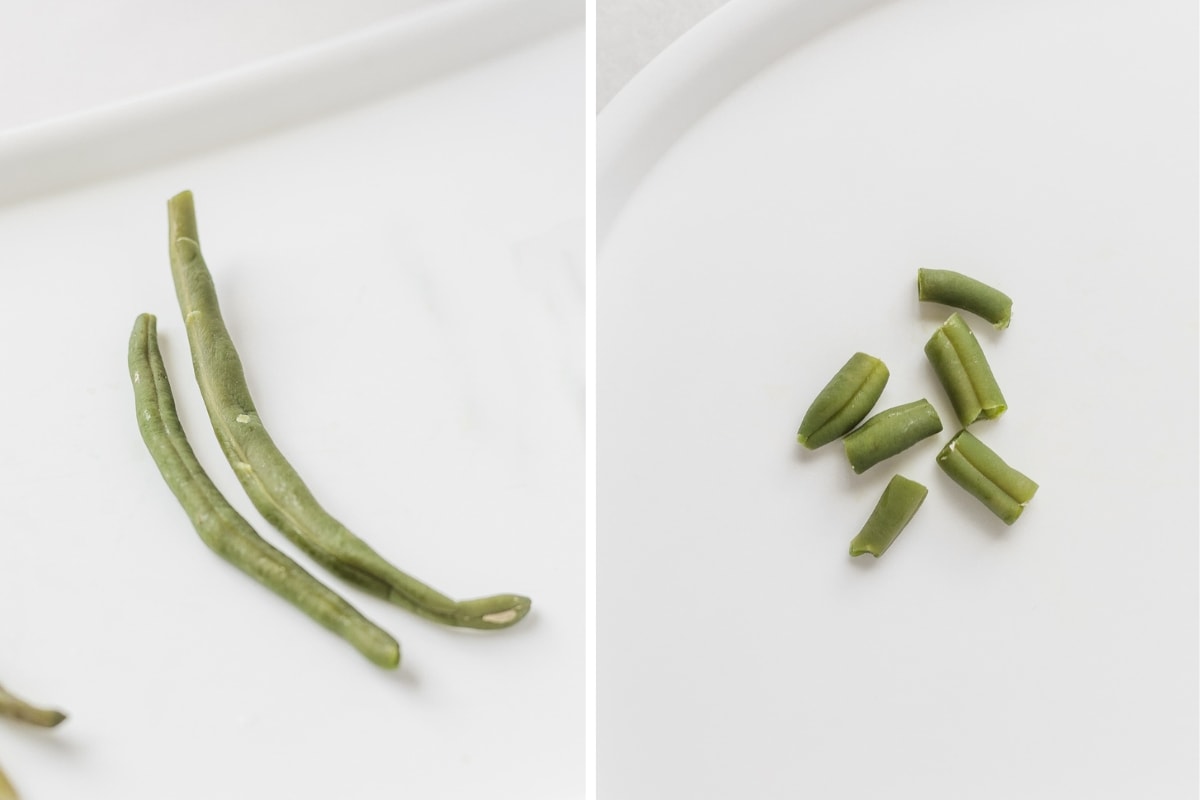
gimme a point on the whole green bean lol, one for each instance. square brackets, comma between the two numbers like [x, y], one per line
[15, 707]
[889, 433]
[845, 400]
[963, 370]
[960, 291]
[271, 482]
[220, 526]
[896, 507]
[976, 467]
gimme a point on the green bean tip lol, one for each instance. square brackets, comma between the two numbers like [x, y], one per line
[859, 550]
[518, 608]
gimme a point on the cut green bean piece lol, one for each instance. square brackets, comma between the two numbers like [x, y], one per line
[960, 291]
[976, 467]
[897, 505]
[16, 708]
[220, 526]
[844, 402]
[963, 371]
[271, 482]
[889, 433]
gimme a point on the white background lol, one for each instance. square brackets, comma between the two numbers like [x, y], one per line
[631, 33]
[1046, 147]
[74, 56]
[404, 283]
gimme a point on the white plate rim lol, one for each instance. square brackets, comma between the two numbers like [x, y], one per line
[689, 78]
[271, 94]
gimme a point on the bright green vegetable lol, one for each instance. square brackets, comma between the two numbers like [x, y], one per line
[976, 467]
[955, 289]
[220, 526]
[890, 432]
[15, 707]
[896, 507]
[844, 402]
[272, 484]
[963, 370]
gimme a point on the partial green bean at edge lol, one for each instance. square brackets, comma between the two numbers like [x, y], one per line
[220, 526]
[16, 708]
[272, 483]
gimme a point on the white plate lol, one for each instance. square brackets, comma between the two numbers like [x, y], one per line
[74, 57]
[403, 280]
[763, 226]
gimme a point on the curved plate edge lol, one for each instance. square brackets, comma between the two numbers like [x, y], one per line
[268, 95]
[690, 77]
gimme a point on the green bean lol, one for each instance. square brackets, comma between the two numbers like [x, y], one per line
[271, 482]
[7, 792]
[220, 526]
[845, 400]
[960, 291]
[897, 505]
[890, 432]
[963, 370]
[976, 467]
[15, 707]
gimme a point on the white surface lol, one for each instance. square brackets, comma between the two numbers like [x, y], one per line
[403, 281]
[631, 33]
[1046, 146]
[699, 70]
[74, 56]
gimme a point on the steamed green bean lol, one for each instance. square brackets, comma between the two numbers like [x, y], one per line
[889, 433]
[16, 708]
[270, 481]
[963, 370]
[219, 525]
[975, 467]
[7, 791]
[844, 402]
[894, 510]
[954, 289]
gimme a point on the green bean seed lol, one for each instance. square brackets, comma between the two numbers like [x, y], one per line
[963, 370]
[220, 526]
[844, 402]
[960, 291]
[897, 505]
[272, 484]
[16, 708]
[890, 432]
[976, 467]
